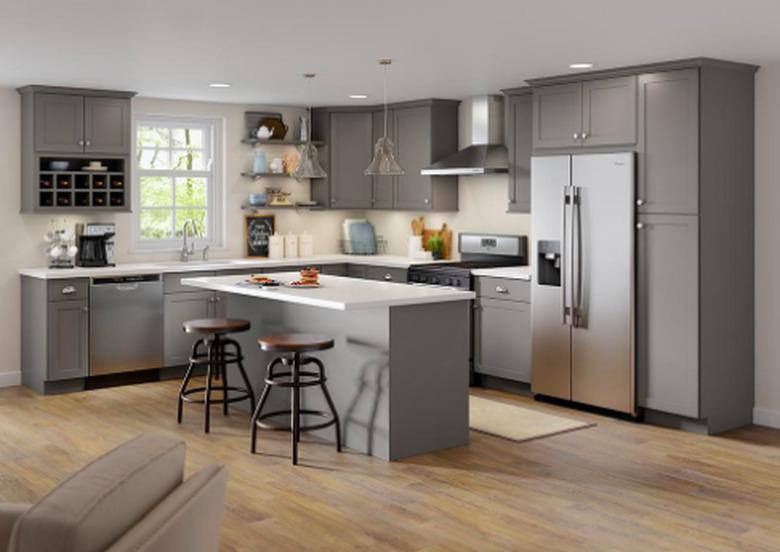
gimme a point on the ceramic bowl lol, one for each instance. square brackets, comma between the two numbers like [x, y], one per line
[59, 165]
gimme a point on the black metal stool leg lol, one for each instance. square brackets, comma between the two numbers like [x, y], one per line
[209, 376]
[249, 388]
[261, 402]
[296, 405]
[186, 381]
[223, 370]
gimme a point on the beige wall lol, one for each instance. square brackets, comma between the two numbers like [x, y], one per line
[23, 234]
[767, 411]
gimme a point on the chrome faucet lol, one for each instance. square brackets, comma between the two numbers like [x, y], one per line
[188, 250]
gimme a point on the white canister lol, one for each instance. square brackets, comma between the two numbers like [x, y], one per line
[414, 246]
[276, 247]
[291, 245]
[305, 245]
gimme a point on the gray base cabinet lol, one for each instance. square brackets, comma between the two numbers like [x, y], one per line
[67, 340]
[502, 329]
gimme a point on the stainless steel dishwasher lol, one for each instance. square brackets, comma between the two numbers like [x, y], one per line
[125, 324]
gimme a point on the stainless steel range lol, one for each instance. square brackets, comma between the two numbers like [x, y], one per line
[476, 251]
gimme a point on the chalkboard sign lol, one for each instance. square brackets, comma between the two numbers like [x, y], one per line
[257, 230]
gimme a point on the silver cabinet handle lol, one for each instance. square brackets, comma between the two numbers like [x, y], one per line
[576, 136]
[640, 202]
[388, 276]
[81, 142]
[85, 309]
[427, 200]
[88, 143]
[584, 135]
[68, 290]
[639, 225]
[501, 289]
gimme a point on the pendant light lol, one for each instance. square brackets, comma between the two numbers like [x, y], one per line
[384, 162]
[309, 165]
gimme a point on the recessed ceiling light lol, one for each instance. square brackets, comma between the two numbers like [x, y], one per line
[358, 96]
[581, 66]
[220, 85]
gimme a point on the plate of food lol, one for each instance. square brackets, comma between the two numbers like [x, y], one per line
[310, 278]
[262, 280]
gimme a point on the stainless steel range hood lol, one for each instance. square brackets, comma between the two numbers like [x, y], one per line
[487, 153]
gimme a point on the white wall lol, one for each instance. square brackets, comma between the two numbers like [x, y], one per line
[767, 410]
[22, 235]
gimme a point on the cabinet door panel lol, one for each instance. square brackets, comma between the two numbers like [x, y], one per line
[180, 307]
[667, 314]
[557, 116]
[351, 152]
[68, 330]
[519, 137]
[107, 125]
[413, 132]
[609, 112]
[503, 339]
[668, 160]
[59, 123]
[383, 185]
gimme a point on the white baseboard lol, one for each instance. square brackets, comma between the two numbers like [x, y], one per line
[10, 379]
[766, 417]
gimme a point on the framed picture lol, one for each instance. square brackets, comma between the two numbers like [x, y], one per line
[257, 230]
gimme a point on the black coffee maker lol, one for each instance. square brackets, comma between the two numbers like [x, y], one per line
[95, 241]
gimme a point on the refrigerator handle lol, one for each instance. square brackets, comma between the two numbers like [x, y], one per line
[565, 311]
[576, 232]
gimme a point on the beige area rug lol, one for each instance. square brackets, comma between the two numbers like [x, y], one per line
[517, 423]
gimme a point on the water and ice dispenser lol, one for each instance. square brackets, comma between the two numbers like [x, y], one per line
[548, 263]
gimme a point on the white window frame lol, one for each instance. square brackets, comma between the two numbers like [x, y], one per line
[215, 173]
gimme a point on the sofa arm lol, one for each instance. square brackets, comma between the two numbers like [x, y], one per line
[9, 513]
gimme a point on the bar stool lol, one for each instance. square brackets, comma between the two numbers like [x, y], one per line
[293, 346]
[213, 352]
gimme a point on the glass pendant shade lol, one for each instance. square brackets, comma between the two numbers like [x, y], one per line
[384, 162]
[309, 165]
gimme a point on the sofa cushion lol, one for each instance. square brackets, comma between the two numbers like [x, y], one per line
[188, 520]
[9, 515]
[98, 504]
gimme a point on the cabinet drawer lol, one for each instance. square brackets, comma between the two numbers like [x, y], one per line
[335, 269]
[385, 274]
[172, 282]
[68, 290]
[504, 289]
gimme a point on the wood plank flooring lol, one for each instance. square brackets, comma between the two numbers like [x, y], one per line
[616, 486]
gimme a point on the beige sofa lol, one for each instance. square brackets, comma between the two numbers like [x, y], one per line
[132, 499]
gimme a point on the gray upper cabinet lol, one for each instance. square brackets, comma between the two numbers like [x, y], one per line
[351, 135]
[667, 314]
[594, 113]
[59, 123]
[609, 112]
[384, 186]
[413, 129]
[518, 128]
[557, 116]
[668, 160]
[107, 125]
[68, 331]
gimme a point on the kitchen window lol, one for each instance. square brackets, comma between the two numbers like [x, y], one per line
[178, 178]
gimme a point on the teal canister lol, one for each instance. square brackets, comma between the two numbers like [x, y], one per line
[260, 164]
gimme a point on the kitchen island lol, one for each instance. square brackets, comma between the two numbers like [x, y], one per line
[399, 372]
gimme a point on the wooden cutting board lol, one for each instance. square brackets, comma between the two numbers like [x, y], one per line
[446, 235]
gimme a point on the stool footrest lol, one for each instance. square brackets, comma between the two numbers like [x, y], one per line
[272, 379]
[244, 396]
[329, 420]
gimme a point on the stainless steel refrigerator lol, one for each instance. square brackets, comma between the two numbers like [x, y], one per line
[582, 209]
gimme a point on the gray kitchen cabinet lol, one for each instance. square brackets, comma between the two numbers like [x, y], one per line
[351, 147]
[107, 125]
[180, 307]
[518, 128]
[668, 149]
[384, 186]
[334, 269]
[59, 123]
[594, 113]
[385, 273]
[557, 116]
[667, 313]
[609, 112]
[356, 271]
[413, 190]
[502, 329]
[67, 340]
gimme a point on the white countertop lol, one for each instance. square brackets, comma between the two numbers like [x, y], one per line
[219, 264]
[337, 292]
[510, 272]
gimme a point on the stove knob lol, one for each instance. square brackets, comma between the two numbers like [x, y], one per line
[448, 282]
[434, 280]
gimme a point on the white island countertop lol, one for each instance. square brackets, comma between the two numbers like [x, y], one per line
[509, 272]
[336, 292]
[163, 267]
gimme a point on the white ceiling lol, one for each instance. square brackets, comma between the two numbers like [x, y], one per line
[446, 49]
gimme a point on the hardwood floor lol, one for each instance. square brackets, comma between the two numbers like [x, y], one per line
[616, 486]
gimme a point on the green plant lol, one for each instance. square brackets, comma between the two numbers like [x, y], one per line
[436, 245]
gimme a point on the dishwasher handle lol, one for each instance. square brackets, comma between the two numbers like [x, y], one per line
[126, 283]
[126, 287]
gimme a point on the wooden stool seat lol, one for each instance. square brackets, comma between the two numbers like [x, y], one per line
[216, 325]
[295, 343]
